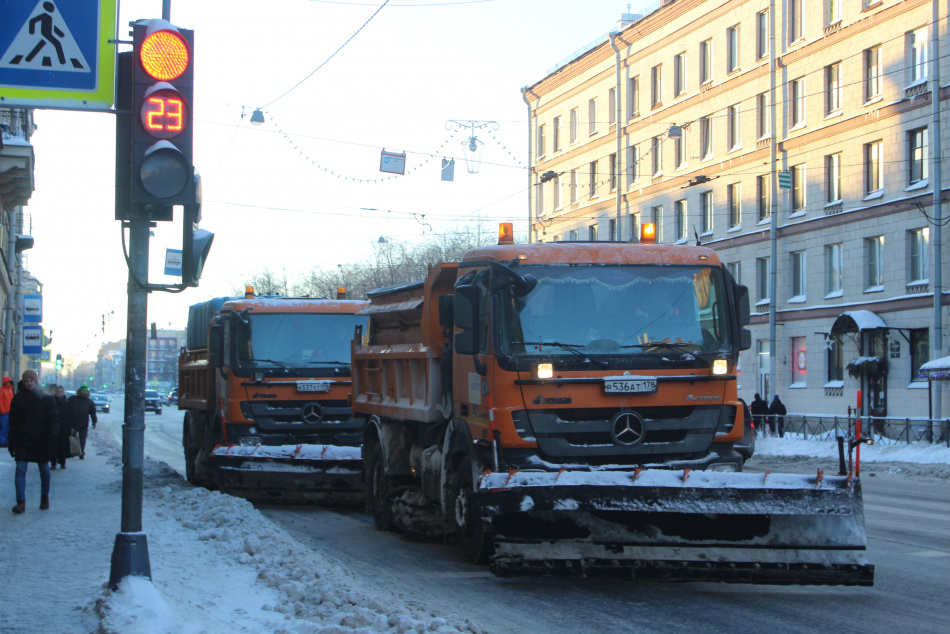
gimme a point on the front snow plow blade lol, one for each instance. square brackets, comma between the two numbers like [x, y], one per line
[291, 474]
[675, 526]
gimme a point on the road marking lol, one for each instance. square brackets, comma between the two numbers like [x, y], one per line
[930, 554]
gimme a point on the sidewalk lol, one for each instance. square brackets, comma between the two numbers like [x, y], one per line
[54, 563]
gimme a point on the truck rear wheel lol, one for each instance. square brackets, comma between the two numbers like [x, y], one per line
[379, 488]
[474, 540]
[191, 452]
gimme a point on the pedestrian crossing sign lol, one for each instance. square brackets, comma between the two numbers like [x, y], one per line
[57, 54]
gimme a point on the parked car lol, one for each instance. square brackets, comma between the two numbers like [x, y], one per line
[172, 398]
[746, 446]
[101, 401]
[153, 401]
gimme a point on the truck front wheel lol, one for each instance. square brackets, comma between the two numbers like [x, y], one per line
[379, 485]
[474, 540]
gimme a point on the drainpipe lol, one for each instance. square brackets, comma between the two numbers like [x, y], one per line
[532, 191]
[937, 188]
[617, 164]
[773, 202]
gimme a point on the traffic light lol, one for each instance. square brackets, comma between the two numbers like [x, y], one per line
[195, 242]
[162, 114]
[59, 362]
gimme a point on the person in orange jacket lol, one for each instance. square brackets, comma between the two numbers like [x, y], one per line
[6, 397]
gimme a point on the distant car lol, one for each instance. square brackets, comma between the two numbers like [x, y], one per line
[101, 401]
[153, 401]
[172, 398]
[746, 446]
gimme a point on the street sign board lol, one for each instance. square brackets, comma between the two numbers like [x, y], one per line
[785, 180]
[32, 309]
[32, 339]
[56, 54]
[173, 262]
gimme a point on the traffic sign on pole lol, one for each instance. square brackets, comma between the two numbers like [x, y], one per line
[785, 180]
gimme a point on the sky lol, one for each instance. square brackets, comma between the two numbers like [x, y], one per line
[292, 194]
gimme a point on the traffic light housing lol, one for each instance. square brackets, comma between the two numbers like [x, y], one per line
[162, 114]
[59, 362]
[195, 242]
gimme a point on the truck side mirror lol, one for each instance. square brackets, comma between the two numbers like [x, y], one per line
[466, 316]
[743, 312]
[216, 346]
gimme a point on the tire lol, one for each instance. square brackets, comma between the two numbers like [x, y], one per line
[474, 541]
[191, 453]
[378, 488]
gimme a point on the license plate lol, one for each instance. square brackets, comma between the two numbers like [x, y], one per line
[322, 386]
[629, 386]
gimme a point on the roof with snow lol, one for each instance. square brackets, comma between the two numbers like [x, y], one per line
[856, 321]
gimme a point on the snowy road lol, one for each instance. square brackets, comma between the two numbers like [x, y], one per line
[907, 523]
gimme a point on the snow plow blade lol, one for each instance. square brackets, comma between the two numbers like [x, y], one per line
[291, 474]
[675, 526]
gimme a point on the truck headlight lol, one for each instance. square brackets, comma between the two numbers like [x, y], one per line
[720, 367]
[544, 370]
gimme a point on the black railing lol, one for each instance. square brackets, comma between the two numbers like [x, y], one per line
[885, 431]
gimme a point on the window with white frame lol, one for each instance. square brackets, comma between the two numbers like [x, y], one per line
[919, 351]
[735, 270]
[798, 188]
[656, 152]
[592, 233]
[633, 224]
[917, 155]
[917, 54]
[705, 61]
[732, 48]
[540, 139]
[707, 210]
[612, 164]
[734, 193]
[539, 199]
[762, 115]
[556, 134]
[796, 20]
[796, 106]
[873, 166]
[612, 106]
[761, 34]
[679, 74]
[633, 97]
[834, 269]
[679, 211]
[557, 192]
[656, 85]
[919, 265]
[872, 73]
[573, 186]
[573, 124]
[656, 217]
[592, 116]
[763, 201]
[592, 179]
[679, 149]
[834, 360]
[612, 229]
[573, 235]
[833, 11]
[763, 284]
[797, 265]
[832, 88]
[733, 127]
[705, 137]
[633, 167]
[833, 177]
[874, 267]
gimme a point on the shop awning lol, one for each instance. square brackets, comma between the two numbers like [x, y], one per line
[936, 370]
[857, 320]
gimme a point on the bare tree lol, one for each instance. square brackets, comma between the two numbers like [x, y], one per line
[266, 282]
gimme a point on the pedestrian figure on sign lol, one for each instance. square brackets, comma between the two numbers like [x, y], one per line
[34, 426]
[760, 410]
[777, 412]
[66, 417]
[83, 409]
[49, 31]
[6, 397]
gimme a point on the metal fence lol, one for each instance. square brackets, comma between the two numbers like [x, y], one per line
[885, 431]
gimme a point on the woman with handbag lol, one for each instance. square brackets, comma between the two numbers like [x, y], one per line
[66, 429]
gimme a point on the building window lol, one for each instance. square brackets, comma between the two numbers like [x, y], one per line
[705, 137]
[832, 88]
[612, 229]
[917, 53]
[761, 34]
[592, 116]
[917, 152]
[679, 74]
[834, 267]
[732, 48]
[633, 97]
[762, 115]
[872, 73]
[705, 61]
[732, 127]
[707, 210]
[592, 233]
[874, 256]
[873, 167]
[799, 361]
[612, 106]
[919, 264]
[573, 235]
[573, 186]
[679, 210]
[539, 199]
[633, 167]
[613, 171]
[557, 192]
[834, 11]
[656, 86]
[833, 177]
[735, 204]
[834, 360]
[798, 276]
[919, 351]
[735, 269]
[656, 217]
[679, 149]
[592, 180]
[763, 202]
[796, 109]
[762, 280]
[657, 154]
[796, 22]
[573, 125]
[556, 134]
[798, 188]
[633, 221]
[540, 141]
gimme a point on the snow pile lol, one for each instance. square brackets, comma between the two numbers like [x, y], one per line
[916, 452]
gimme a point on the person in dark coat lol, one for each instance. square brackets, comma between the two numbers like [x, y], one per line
[760, 410]
[83, 409]
[777, 412]
[61, 451]
[34, 428]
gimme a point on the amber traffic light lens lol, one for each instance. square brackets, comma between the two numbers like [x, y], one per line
[164, 55]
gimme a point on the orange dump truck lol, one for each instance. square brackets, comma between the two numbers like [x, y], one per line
[264, 383]
[570, 408]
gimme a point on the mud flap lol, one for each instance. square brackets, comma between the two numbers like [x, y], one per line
[698, 526]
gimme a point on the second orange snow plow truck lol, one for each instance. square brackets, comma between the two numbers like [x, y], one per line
[570, 409]
[265, 384]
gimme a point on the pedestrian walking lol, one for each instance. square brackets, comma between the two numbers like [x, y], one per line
[760, 410]
[34, 425]
[83, 409]
[777, 411]
[61, 450]
[6, 397]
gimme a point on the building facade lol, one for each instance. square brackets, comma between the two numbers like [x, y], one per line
[799, 142]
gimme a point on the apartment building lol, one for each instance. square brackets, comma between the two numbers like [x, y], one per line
[808, 128]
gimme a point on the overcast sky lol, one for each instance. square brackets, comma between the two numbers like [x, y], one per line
[290, 194]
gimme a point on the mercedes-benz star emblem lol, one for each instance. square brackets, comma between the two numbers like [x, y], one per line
[627, 428]
[312, 413]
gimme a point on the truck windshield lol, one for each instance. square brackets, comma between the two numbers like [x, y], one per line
[618, 310]
[300, 342]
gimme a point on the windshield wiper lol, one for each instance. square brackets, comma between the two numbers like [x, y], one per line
[570, 347]
[278, 363]
[664, 344]
[343, 363]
